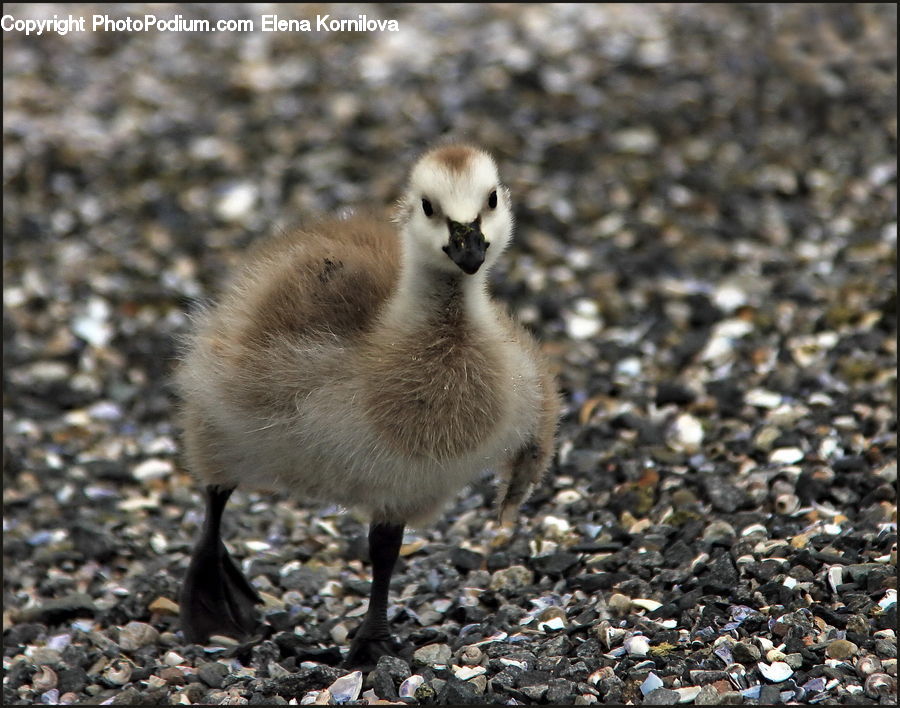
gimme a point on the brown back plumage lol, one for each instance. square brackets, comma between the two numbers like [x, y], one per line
[330, 279]
[323, 284]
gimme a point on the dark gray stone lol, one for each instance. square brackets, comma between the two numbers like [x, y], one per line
[723, 495]
[73, 679]
[383, 685]
[745, 653]
[721, 576]
[555, 563]
[612, 690]
[534, 692]
[661, 697]
[61, 609]
[465, 560]
[456, 692]
[769, 695]
[560, 692]
[263, 654]
[394, 667]
[307, 580]
[304, 680]
[212, 673]
[669, 392]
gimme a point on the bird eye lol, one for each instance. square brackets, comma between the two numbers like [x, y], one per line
[492, 200]
[427, 208]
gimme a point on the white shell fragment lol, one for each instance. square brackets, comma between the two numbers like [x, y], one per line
[44, 679]
[513, 662]
[775, 672]
[172, 659]
[153, 468]
[729, 297]
[59, 641]
[408, 687]
[637, 645]
[629, 367]
[552, 624]
[464, 673]
[786, 503]
[555, 526]
[686, 433]
[786, 455]
[835, 577]
[761, 398]
[237, 201]
[119, 673]
[687, 694]
[93, 326]
[347, 688]
[651, 683]
[579, 327]
[498, 637]
[720, 346]
[648, 605]
[878, 685]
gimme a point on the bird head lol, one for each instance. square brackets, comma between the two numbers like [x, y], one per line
[455, 212]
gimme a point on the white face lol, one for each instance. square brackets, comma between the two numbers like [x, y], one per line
[452, 187]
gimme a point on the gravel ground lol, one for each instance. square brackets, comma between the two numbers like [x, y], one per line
[706, 244]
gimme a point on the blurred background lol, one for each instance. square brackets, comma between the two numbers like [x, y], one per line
[706, 244]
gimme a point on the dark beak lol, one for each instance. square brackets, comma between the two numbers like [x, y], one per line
[467, 245]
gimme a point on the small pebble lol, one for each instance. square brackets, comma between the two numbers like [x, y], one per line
[841, 649]
[135, 635]
[433, 654]
[663, 697]
[212, 673]
[745, 652]
[164, 606]
[511, 578]
[471, 656]
[618, 604]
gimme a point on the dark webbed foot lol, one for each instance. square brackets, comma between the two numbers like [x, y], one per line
[216, 597]
[365, 650]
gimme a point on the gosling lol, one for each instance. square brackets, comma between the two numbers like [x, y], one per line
[361, 362]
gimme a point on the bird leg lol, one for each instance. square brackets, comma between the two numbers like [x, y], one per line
[518, 478]
[216, 597]
[373, 638]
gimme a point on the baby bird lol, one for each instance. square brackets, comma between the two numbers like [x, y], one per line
[361, 362]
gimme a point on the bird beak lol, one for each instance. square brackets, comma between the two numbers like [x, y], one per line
[467, 246]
